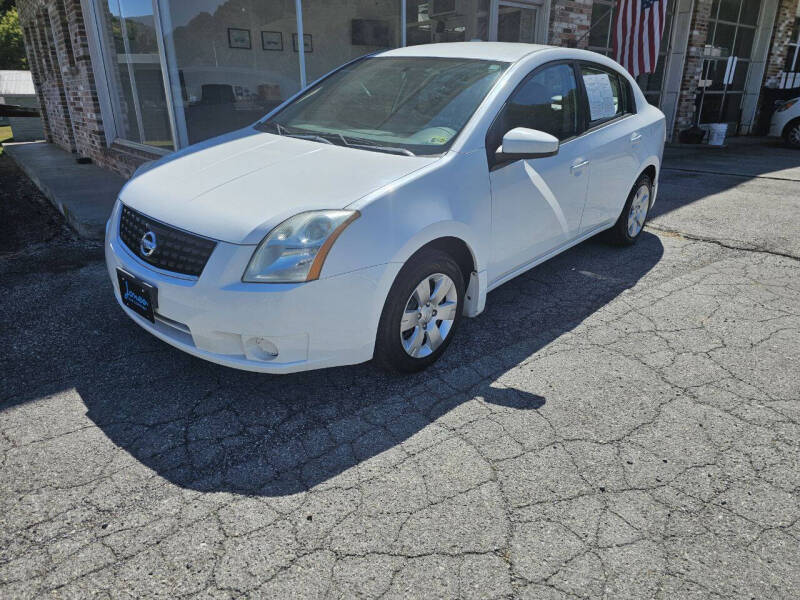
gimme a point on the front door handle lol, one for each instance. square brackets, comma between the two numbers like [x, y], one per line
[636, 137]
[577, 166]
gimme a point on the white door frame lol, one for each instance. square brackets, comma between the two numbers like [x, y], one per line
[542, 8]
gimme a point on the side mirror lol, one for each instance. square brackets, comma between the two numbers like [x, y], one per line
[521, 142]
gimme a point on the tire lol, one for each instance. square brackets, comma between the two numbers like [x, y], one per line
[792, 135]
[624, 233]
[424, 338]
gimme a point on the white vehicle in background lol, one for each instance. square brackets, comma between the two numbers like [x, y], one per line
[786, 122]
[371, 212]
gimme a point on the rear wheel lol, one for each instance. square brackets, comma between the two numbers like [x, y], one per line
[421, 313]
[634, 214]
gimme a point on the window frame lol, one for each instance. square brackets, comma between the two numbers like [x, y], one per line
[581, 122]
[628, 97]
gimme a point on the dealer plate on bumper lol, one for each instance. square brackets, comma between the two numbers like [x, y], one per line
[137, 295]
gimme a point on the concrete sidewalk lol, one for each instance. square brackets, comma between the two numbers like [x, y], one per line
[84, 194]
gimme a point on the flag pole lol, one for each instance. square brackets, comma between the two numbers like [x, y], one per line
[600, 20]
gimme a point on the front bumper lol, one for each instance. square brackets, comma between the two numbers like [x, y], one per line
[329, 322]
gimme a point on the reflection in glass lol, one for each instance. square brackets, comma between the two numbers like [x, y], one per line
[220, 85]
[406, 105]
[432, 21]
[132, 61]
[723, 37]
[744, 42]
[599, 34]
[749, 15]
[729, 10]
[342, 31]
[731, 108]
[516, 24]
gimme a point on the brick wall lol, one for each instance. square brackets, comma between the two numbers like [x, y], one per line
[569, 23]
[58, 55]
[784, 23]
[698, 33]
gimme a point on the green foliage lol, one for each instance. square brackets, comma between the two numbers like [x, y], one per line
[12, 48]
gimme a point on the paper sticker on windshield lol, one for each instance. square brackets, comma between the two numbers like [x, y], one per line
[602, 104]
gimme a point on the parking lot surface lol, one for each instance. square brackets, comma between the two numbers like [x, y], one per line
[619, 423]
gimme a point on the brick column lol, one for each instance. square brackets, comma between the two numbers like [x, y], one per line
[698, 34]
[784, 23]
[569, 23]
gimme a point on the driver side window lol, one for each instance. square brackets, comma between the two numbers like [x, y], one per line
[547, 101]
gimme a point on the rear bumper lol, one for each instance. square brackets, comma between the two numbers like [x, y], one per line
[323, 323]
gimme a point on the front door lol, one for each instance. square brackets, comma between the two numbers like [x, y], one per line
[537, 204]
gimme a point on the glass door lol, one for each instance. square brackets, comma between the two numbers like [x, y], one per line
[133, 65]
[731, 31]
[517, 22]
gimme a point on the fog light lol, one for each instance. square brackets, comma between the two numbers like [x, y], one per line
[266, 346]
[259, 348]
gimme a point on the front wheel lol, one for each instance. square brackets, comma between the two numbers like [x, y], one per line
[792, 135]
[421, 313]
[634, 214]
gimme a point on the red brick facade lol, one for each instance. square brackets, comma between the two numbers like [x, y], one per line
[784, 23]
[698, 33]
[58, 54]
[569, 23]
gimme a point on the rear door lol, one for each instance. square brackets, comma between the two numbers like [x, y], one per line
[612, 141]
[537, 203]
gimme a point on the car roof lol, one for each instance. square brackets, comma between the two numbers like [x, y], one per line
[499, 51]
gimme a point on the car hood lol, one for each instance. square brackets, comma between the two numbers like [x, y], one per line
[237, 187]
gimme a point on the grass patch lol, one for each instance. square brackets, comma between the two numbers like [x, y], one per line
[5, 136]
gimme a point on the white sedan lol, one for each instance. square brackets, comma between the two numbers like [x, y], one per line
[370, 213]
[785, 122]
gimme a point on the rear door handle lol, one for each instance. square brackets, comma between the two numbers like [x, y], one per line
[577, 166]
[636, 137]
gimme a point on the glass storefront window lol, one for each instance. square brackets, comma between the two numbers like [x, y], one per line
[433, 21]
[601, 41]
[230, 61]
[337, 31]
[133, 70]
[731, 30]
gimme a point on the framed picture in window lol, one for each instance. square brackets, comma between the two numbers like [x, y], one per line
[239, 38]
[272, 40]
[308, 46]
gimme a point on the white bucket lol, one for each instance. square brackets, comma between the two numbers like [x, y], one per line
[716, 134]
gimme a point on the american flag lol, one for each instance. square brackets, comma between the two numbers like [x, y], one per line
[638, 27]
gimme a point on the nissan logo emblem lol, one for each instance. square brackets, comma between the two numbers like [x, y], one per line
[148, 244]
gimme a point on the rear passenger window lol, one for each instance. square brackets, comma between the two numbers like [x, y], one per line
[606, 92]
[547, 102]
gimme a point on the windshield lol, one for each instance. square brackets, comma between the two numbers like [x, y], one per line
[403, 105]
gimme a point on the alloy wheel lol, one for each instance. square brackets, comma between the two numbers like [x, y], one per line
[794, 135]
[429, 315]
[638, 211]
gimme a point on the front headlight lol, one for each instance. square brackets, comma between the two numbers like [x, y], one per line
[296, 249]
[787, 105]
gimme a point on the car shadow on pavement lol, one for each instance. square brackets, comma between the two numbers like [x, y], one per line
[209, 428]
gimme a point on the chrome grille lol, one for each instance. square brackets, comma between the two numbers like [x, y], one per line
[175, 250]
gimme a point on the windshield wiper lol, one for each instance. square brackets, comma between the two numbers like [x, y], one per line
[310, 136]
[389, 149]
[361, 143]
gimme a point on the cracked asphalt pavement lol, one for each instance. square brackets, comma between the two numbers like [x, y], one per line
[619, 423]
